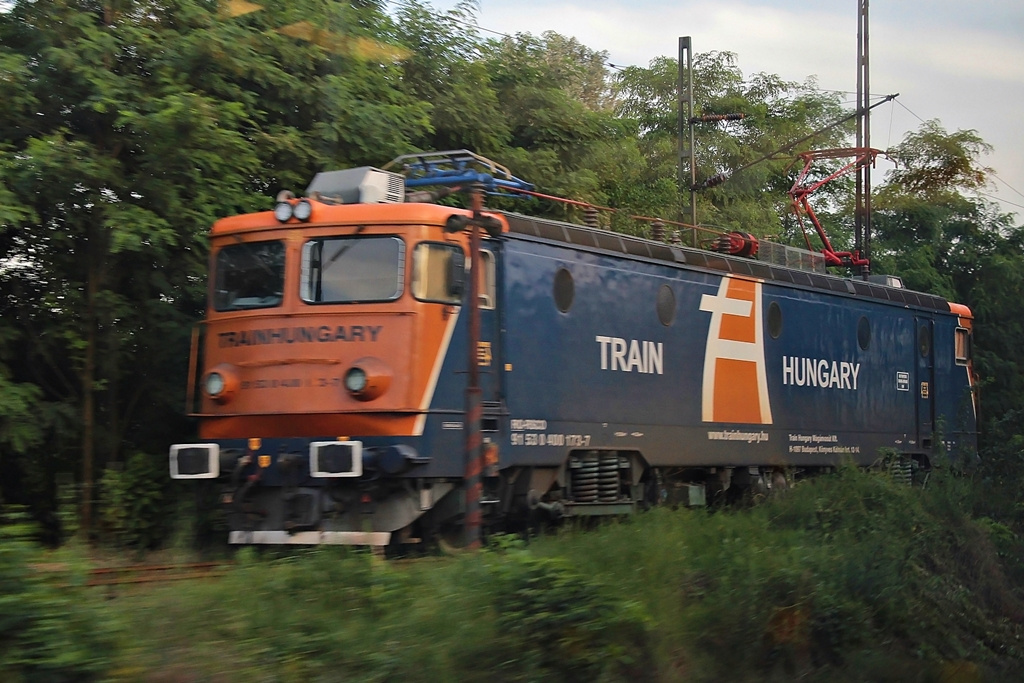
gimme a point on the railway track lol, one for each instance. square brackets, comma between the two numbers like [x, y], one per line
[154, 573]
[134, 574]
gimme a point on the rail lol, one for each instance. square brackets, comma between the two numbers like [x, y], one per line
[140, 573]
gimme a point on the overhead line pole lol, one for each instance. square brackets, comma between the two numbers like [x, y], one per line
[685, 132]
[862, 211]
[474, 441]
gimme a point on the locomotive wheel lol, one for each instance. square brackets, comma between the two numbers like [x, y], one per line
[451, 540]
[779, 481]
[444, 538]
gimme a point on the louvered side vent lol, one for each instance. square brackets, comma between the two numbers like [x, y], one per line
[396, 189]
[365, 185]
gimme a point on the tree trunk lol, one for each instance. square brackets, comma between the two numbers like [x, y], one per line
[88, 376]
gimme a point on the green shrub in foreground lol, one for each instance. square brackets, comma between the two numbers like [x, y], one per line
[846, 577]
[135, 503]
[48, 632]
[556, 624]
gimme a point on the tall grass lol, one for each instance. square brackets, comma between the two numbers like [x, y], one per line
[845, 577]
[51, 628]
[850, 577]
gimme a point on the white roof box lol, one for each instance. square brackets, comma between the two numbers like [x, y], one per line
[364, 185]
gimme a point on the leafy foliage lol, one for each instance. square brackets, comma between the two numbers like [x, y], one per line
[936, 230]
[847, 577]
[850, 577]
[556, 624]
[47, 632]
[129, 129]
[778, 114]
[135, 501]
[935, 163]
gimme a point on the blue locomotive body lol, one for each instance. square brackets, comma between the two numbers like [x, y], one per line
[721, 363]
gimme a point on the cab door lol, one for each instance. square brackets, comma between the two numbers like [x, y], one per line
[488, 348]
[925, 382]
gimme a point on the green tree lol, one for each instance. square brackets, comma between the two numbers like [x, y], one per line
[442, 70]
[564, 134]
[935, 229]
[129, 128]
[778, 114]
[927, 211]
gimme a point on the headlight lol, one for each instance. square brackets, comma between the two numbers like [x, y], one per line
[221, 383]
[355, 380]
[367, 379]
[215, 384]
[283, 211]
[302, 210]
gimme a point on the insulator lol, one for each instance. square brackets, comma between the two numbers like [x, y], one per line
[658, 231]
[714, 180]
[420, 197]
[736, 243]
[713, 118]
[744, 244]
[590, 217]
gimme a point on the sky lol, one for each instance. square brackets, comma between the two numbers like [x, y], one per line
[958, 61]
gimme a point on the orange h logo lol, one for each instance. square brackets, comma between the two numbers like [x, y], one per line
[735, 378]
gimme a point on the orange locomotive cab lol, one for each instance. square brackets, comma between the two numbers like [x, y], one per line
[326, 331]
[344, 312]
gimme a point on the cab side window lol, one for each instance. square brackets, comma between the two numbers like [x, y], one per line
[438, 272]
[963, 345]
[485, 275]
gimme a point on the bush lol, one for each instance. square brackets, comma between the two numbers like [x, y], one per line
[555, 624]
[842, 575]
[848, 577]
[48, 632]
[135, 502]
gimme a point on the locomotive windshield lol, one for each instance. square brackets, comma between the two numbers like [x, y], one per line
[249, 275]
[352, 269]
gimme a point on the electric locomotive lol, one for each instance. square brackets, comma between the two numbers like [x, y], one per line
[355, 342]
